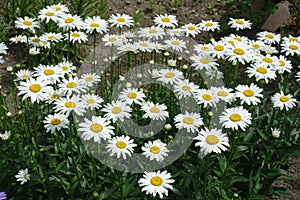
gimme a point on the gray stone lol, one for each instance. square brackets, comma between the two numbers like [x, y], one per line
[278, 18]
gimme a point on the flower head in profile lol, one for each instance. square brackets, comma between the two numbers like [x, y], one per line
[239, 24]
[165, 21]
[156, 183]
[209, 25]
[5, 135]
[23, 176]
[119, 20]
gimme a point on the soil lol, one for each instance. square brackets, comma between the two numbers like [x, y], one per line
[193, 11]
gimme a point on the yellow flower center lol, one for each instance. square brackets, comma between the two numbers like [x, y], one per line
[55, 121]
[25, 76]
[36, 40]
[89, 79]
[269, 35]
[144, 44]
[112, 39]
[95, 25]
[170, 75]
[154, 110]
[204, 48]
[26, 176]
[156, 181]
[235, 117]
[165, 19]
[209, 24]
[239, 21]
[96, 128]
[90, 101]
[281, 63]
[69, 20]
[48, 72]
[204, 60]
[155, 149]
[231, 42]
[262, 70]
[65, 68]
[27, 23]
[121, 144]
[206, 97]
[191, 28]
[293, 47]
[51, 37]
[239, 51]
[268, 60]
[132, 95]
[35, 88]
[186, 88]
[284, 99]
[57, 8]
[255, 46]
[222, 93]
[188, 120]
[54, 96]
[238, 39]
[75, 34]
[70, 104]
[219, 48]
[293, 39]
[49, 14]
[71, 85]
[152, 31]
[121, 20]
[116, 110]
[248, 93]
[175, 42]
[212, 139]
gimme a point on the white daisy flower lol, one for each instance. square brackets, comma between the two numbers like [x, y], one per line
[97, 129]
[283, 101]
[117, 110]
[291, 38]
[217, 49]
[156, 183]
[204, 61]
[55, 122]
[155, 150]
[52, 37]
[189, 121]
[111, 40]
[191, 29]
[165, 21]
[240, 52]
[67, 67]
[268, 37]
[213, 140]
[269, 60]
[209, 25]
[170, 76]
[52, 95]
[23, 176]
[261, 72]
[152, 32]
[35, 40]
[202, 48]
[70, 22]
[18, 39]
[256, 45]
[214, 74]
[27, 23]
[76, 36]
[68, 104]
[35, 89]
[119, 20]
[223, 93]
[72, 85]
[239, 24]
[128, 47]
[132, 95]
[92, 101]
[185, 89]
[90, 79]
[284, 65]
[235, 118]
[95, 24]
[121, 146]
[6, 135]
[3, 48]
[50, 73]
[233, 39]
[250, 95]
[206, 98]
[290, 48]
[23, 74]
[144, 45]
[47, 14]
[175, 44]
[155, 111]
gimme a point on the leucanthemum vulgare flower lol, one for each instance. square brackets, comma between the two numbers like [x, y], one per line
[202, 48]
[97, 128]
[189, 121]
[261, 72]
[70, 22]
[95, 24]
[185, 88]
[209, 25]
[35, 40]
[18, 39]
[3, 48]
[35, 89]
[217, 49]
[239, 24]
[47, 14]
[269, 60]
[66, 105]
[213, 140]
[250, 95]
[240, 52]
[156, 183]
[67, 67]
[152, 32]
[191, 29]
[132, 95]
[121, 146]
[59, 8]
[52, 37]
[23, 74]
[206, 98]
[290, 48]
[127, 47]
[117, 110]
[235, 118]
[6, 135]
[23, 176]
[90, 79]
[72, 85]
[214, 74]
[52, 95]
[144, 45]
[204, 61]
[233, 39]
[175, 44]
[154, 111]
[283, 101]
[119, 20]
[223, 93]
[92, 101]
[165, 21]
[175, 32]
[76, 36]
[55, 122]
[155, 150]
[27, 23]
[112, 40]
[268, 37]
[170, 76]
[284, 65]
[50, 73]
[256, 45]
